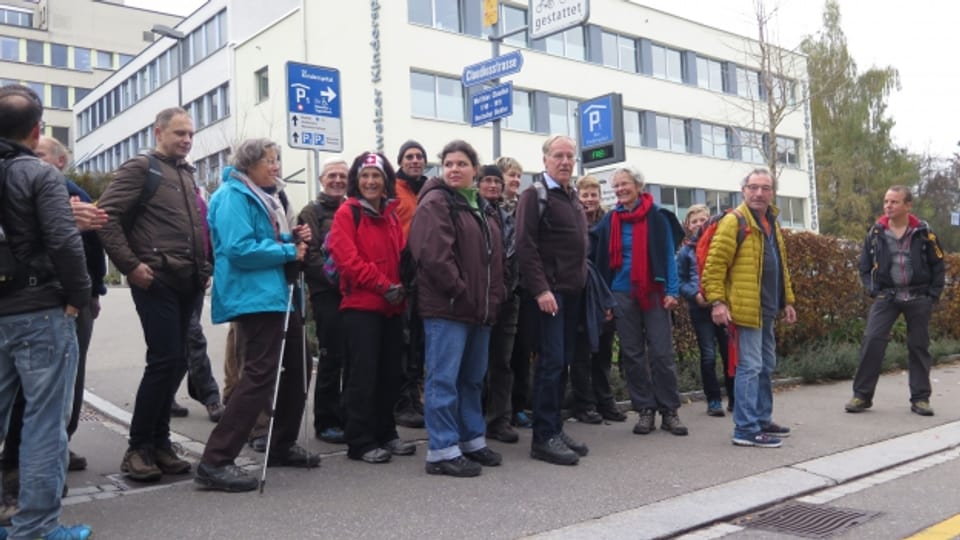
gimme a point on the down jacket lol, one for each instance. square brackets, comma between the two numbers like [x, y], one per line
[732, 275]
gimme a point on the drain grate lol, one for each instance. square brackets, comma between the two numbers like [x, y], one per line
[89, 415]
[807, 520]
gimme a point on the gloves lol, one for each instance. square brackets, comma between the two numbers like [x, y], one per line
[394, 294]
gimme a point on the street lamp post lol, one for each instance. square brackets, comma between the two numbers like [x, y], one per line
[166, 31]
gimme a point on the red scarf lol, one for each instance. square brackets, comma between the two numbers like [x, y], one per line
[641, 282]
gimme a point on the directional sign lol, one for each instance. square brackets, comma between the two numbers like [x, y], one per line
[548, 17]
[491, 104]
[601, 130]
[494, 68]
[314, 119]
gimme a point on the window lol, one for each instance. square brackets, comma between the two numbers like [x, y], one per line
[709, 74]
[784, 90]
[58, 55]
[61, 134]
[124, 58]
[632, 134]
[563, 116]
[713, 140]
[59, 97]
[748, 83]
[787, 152]
[6, 82]
[34, 52]
[436, 97]
[678, 200]
[80, 93]
[720, 201]
[751, 146]
[262, 83]
[511, 18]
[443, 14]
[671, 134]
[9, 49]
[104, 60]
[197, 111]
[522, 117]
[792, 213]
[667, 63]
[211, 39]
[38, 88]
[15, 17]
[81, 58]
[164, 63]
[619, 51]
[569, 43]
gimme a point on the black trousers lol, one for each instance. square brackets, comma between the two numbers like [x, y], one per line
[528, 328]
[590, 372]
[201, 386]
[411, 376]
[327, 398]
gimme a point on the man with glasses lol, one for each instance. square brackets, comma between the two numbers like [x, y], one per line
[746, 280]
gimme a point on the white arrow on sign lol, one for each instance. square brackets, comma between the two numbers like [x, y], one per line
[329, 94]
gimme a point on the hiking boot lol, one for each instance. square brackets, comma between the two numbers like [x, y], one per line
[177, 410]
[215, 411]
[588, 416]
[578, 447]
[776, 430]
[613, 414]
[228, 478]
[715, 408]
[671, 422]
[554, 450]
[502, 431]
[73, 532]
[484, 456]
[760, 440]
[76, 463]
[400, 448]
[377, 455]
[522, 420]
[409, 418]
[140, 465]
[459, 467]
[332, 435]
[295, 456]
[646, 422]
[169, 462]
[921, 407]
[857, 405]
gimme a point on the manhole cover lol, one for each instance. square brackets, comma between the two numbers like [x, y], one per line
[807, 520]
[89, 415]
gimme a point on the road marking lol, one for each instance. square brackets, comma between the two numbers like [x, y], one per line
[946, 529]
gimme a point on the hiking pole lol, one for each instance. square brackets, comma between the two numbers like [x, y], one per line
[276, 391]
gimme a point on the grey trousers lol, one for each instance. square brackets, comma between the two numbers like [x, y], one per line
[646, 350]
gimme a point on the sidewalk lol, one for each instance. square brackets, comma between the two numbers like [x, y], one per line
[629, 486]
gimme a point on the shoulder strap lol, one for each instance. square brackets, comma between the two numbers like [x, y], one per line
[151, 183]
[356, 215]
[742, 227]
[542, 196]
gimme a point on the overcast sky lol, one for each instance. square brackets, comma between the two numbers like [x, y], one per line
[879, 33]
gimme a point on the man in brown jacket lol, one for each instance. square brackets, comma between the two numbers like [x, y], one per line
[157, 243]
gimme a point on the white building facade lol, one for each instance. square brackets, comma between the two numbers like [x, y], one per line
[693, 101]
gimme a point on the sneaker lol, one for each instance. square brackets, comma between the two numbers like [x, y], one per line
[177, 410]
[228, 478]
[645, 423]
[922, 408]
[522, 420]
[377, 455]
[760, 440]
[76, 463]
[715, 408]
[484, 456]
[588, 416]
[295, 456]
[502, 431]
[578, 447]
[857, 405]
[671, 422]
[332, 435]
[169, 462]
[140, 465]
[409, 418]
[776, 430]
[459, 466]
[613, 414]
[73, 532]
[258, 444]
[215, 411]
[554, 450]
[400, 448]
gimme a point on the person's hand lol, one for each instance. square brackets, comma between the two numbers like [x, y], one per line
[94, 306]
[301, 250]
[87, 216]
[670, 302]
[790, 314]
[394, 294]
[141, 276]
[721, 314]
[303, 233]
[608, 315]
[548, 303]
[71, 311]
[701, 301]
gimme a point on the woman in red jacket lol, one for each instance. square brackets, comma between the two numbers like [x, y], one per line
[365, 242]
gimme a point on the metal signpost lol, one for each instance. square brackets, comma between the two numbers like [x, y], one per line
[601, 131]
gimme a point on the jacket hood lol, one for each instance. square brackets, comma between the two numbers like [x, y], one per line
[912, 221]
[434, 183]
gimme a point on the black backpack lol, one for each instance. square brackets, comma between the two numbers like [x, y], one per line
[150, 185]
[14, 274]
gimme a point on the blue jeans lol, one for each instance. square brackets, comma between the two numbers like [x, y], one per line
[557, 340]
[753, 406]
[38, 351]
[456, 362]
[711, 339]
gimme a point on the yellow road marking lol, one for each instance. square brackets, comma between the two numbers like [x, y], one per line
[945, 530]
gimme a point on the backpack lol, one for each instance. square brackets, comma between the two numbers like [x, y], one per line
[329, 264]
[542, 197]
[150, 185]
[707, 232]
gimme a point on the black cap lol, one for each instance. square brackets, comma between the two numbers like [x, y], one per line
[408, 145]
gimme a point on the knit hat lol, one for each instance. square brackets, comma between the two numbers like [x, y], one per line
[491, 170]
[374, 161]
[408, 145]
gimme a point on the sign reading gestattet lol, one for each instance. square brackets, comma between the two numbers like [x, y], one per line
[548, 17]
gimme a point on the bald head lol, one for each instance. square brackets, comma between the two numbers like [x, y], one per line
[53, 152]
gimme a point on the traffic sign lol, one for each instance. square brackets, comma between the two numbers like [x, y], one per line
[601, 130]
[494, 68]
[491, 104]
[548, 17]
[491, 10]
[314, 120]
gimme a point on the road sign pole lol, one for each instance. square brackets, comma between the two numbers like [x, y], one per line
[312, 188]
[495, 52]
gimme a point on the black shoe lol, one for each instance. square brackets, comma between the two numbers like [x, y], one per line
[613, 414]
[76, 463]
[215, 411]
[398, 447]
[485, 457]
[177, 410]
[408, 418]
[295, 456]
[578, 447]
[227, 478]
[671, 422]
[554, 450]
[502, 431]
[588, 416]
[459, 466]
[377, 455]
[646, 422]
[259, 444]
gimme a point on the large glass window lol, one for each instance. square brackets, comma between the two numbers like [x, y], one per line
[720, 201]
[58, 55]
[511, 18]
[61, 134]
[444, 14]
[632, 134]
[748, 83]
[569, 43]
[792, 212]
[80, 93]
[678, 200]
[751, 146]
[38, 88]
[709, 74]
[104, 59]
[787, 151]
[522, 117]
[619, 51]
[9, 49]
[563, 116]
[34, 52]
[59, 97]
[667, 63]
[124, 58]
[713, 140]
[436, 97]
[81, 58]
[671, 134]
[15, 17]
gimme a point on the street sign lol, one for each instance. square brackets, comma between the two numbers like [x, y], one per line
[491, 104]
[494, 68]
[548, 17]
[314, 120]
[491, 9]
[601, 130]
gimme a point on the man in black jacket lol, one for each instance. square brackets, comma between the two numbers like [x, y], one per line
[38, 311]
[901, 267]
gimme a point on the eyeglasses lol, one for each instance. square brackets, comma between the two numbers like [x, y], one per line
[757, 187]
[412, 157]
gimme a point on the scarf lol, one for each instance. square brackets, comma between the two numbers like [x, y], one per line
[415, 183]
[641, 281]
[274, 210]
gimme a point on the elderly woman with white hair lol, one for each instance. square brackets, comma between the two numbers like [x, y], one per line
[252, 242]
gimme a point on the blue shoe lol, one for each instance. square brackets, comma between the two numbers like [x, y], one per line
[521, 419]
[715, 407]
[75, 532]
[332, 435]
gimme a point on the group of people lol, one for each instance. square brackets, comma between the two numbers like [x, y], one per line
[429, 296]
